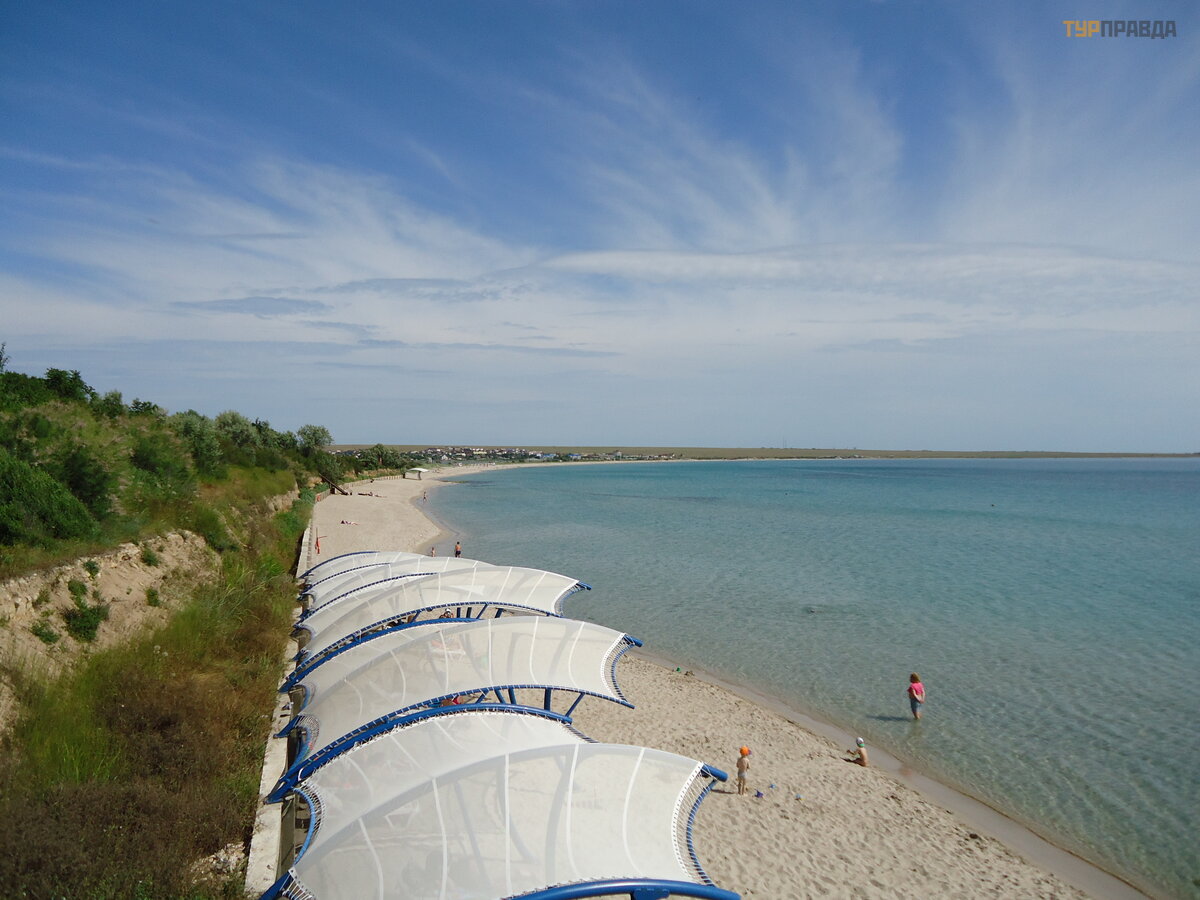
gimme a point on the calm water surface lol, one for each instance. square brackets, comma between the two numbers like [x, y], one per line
[1052, 608]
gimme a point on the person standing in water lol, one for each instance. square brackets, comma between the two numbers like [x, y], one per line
[457, 549]
[916, 694]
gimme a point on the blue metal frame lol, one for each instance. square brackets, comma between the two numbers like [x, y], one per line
[575, 588]
[362, 587]
[298, 771]
[357, 568]
[628, 644]
[311, 569]
[340, 745]
[459, 617]
[636, 888]
[305, 667]
[691, 820]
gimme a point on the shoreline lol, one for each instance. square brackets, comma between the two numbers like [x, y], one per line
[1017, 836]
[1025, 863]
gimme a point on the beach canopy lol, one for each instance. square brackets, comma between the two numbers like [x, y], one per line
[404, 755]
[327, 589]
[535, 819]
[344, 561]
[469, 593]
[390, 673]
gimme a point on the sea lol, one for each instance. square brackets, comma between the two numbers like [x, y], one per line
[1050, 606]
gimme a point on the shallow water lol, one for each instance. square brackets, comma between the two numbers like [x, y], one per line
[1050, 606]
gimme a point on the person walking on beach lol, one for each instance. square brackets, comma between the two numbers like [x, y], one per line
[457, 549]
[433, 551]
[743, 766]
[859, 753]
[916, 694]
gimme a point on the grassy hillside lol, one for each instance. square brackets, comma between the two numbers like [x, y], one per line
[80, 472]
[120, 777]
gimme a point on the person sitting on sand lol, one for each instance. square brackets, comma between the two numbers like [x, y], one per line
[916, 694]
[743, 766]
[859, 753]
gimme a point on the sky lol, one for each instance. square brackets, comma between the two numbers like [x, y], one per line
[905, 225]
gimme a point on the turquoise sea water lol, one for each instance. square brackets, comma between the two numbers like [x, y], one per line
[1052, 608]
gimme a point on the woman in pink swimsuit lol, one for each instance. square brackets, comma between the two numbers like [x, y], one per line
[916, 694]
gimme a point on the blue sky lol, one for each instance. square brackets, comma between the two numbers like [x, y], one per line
[904, 225]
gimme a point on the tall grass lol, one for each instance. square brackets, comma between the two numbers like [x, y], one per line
[119, 776]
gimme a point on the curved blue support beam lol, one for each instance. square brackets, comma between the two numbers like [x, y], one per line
[629, 643]
[636, 888]
[305, 767]
[338, 746]
[691, 821]
[714, 772]
[305, 666]
[331, 559]
[275, 891]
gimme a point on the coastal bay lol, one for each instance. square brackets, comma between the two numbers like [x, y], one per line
[826, 828]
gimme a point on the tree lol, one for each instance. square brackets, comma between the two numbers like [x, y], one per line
[329, 467]
[85, 476]
[237, 429]
[144, 408]
[313, 438]
[69, 385]
[111, 405]
[200, 435]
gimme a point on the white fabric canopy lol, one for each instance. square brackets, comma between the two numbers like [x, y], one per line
[403, 669]
[373, 773]
[505, 587]
[341, 563]
[328, 589]
[518, 822]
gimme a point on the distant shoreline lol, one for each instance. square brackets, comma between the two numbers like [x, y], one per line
[609, 453]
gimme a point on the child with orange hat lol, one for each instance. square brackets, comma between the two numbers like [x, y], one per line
[743, 765]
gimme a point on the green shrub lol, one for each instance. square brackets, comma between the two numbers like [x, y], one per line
[35, 508]
[80, 469]
[45, 632]
[167, 472]
[92, 567]
[42, 598]
[84, 620]
[152, 598]
[207, 523]
[149, 557]
[77, 589]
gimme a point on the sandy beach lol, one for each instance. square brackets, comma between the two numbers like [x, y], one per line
[822, 827]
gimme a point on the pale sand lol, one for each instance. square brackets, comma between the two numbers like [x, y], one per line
[855, 833]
